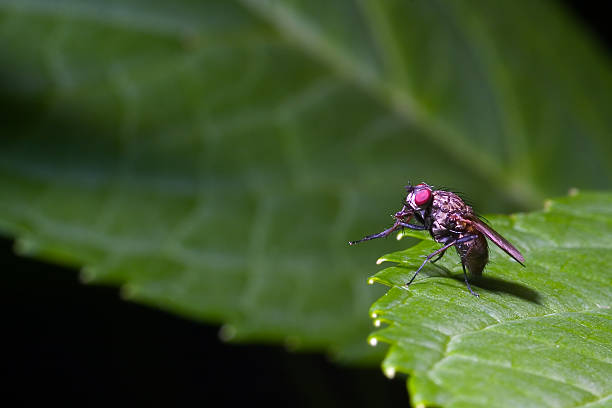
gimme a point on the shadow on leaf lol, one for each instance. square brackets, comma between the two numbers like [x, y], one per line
[502, 285]
[490, 283]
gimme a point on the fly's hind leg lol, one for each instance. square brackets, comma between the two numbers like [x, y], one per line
[466, 280]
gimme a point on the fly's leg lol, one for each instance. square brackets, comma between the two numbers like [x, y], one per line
[441, 252]
[413, 226]
[388, 231]
[379, 235]
[467, 282]
[438, 257]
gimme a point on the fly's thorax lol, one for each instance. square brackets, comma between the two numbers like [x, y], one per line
[446, 214]
[447, 202]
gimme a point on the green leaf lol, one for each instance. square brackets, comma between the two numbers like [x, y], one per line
[214, 157]
[537, 336]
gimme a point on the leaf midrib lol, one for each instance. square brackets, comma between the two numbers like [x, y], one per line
[452, 142]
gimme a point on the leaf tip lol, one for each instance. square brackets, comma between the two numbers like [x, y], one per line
[127, 292]
[292, 343]
[377, 323]
[371, 281]
[227, 332]
[25, 246]
[87, 275]
[380, 260]
[547, 205]
[373, 341]
[389, 371]
[572, 192]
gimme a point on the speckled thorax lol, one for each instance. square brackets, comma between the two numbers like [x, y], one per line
[445, 211]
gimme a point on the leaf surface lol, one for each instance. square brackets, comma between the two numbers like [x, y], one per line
[214, 157]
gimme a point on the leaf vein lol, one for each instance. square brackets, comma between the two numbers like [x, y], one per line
[513, 368]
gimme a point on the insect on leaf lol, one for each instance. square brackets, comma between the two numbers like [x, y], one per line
[537, 336]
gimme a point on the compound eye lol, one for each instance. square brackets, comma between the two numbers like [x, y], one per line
[422, 197]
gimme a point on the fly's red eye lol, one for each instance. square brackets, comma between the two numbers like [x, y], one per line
[422, 196]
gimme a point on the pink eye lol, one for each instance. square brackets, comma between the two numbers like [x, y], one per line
[422, 196]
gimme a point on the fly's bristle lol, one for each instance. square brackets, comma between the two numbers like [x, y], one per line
[481, 217]
[464, 197]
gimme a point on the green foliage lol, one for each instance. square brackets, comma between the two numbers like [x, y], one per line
[538, 336]
[214, 157]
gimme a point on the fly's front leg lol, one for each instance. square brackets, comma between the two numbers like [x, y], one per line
[379, 235]
[402, 219]
[413, 226]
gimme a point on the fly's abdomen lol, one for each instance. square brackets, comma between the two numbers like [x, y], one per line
[474, 254]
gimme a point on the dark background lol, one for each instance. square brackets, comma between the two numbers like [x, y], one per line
[72, 343]
[82, 345]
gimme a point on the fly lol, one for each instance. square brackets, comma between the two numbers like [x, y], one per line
[450, 222]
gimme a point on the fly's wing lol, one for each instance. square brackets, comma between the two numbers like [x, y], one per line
[497, 239]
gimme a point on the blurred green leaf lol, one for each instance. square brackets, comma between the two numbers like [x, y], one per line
[214, 157]
[537, 336]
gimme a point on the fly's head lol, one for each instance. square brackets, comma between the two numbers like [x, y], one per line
[416, 203]
[419, 198]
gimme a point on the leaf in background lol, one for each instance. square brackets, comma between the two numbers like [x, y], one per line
[214, 158]
[538, 336]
